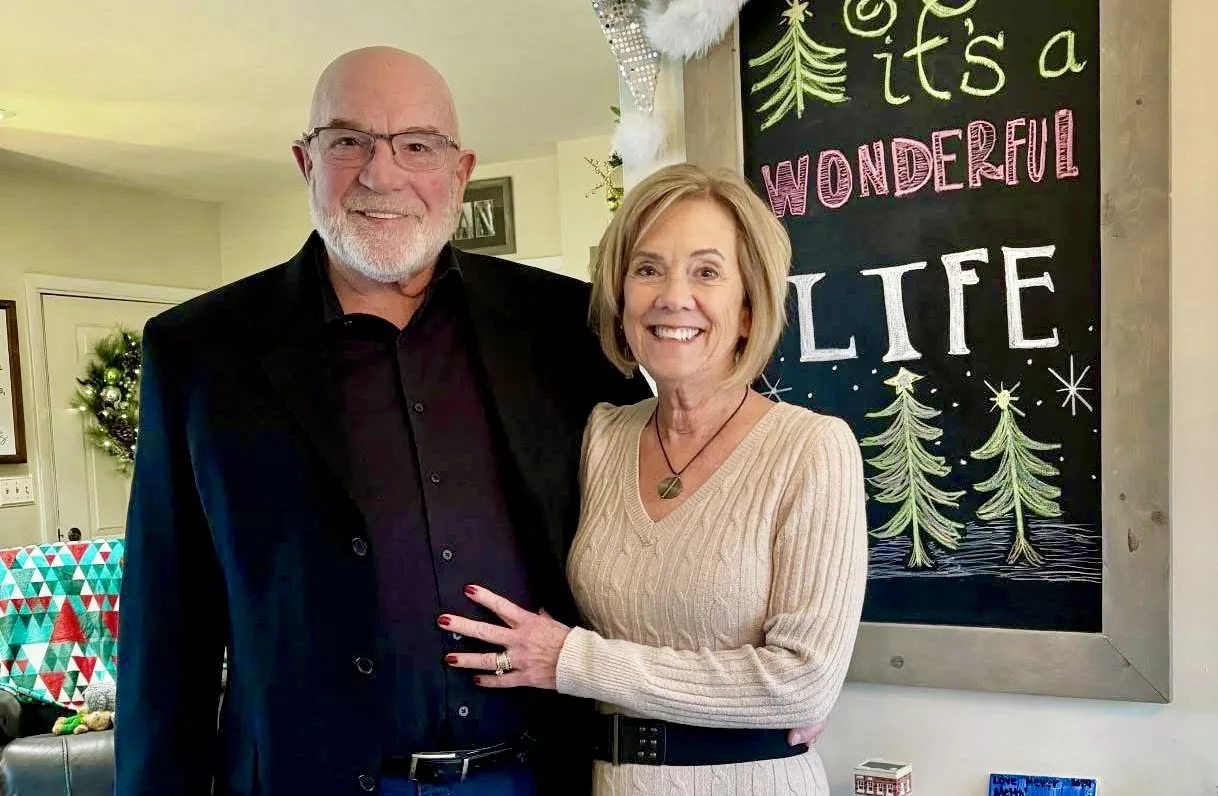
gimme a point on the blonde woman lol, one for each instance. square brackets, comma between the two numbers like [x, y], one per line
[720, 560]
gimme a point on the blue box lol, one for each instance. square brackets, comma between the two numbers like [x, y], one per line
[1023, 785]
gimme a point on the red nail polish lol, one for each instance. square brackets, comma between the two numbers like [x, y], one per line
[445, 621]
[477, 681]
[450, 658]
[471, 590]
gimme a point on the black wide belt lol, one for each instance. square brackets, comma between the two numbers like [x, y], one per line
[620, 739]
[442, 768]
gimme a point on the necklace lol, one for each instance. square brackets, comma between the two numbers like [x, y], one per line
[670, 486]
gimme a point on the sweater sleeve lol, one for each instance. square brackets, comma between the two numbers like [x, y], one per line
[815, 605]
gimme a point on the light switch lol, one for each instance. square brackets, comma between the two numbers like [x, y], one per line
[25, 489]
[17, 491]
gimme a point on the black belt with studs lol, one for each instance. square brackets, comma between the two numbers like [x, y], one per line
[621, 740]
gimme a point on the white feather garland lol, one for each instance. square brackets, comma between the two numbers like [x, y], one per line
[640, 140]
[685, 29]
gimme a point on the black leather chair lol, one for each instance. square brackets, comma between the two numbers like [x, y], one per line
[59, 765]
[10, 718]
[34, 762]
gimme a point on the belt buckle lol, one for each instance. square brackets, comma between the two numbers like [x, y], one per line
[636, 741]
[657, 742]
[416, 757]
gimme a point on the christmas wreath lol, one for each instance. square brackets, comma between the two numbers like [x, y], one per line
[108, 396]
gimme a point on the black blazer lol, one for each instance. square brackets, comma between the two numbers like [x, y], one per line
[240, 530]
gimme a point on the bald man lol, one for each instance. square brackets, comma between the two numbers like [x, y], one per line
[329, 451]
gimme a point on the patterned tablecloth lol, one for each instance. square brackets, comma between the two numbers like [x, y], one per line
[59, 618]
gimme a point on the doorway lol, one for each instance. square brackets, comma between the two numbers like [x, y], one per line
[78, 487]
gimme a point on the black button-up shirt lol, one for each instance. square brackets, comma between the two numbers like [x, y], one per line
[428, 480]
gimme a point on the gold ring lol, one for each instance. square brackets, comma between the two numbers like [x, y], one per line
[503, 664]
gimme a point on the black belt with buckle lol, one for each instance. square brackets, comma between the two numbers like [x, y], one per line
[442, 768]
[620, 739]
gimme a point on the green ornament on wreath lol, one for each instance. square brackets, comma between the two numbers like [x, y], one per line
[109, 396]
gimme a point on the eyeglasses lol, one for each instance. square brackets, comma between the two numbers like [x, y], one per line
[413, 150]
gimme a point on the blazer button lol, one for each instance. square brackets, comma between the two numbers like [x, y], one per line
[364, 665]
[359, 546]
[435, 478]
[367, 783]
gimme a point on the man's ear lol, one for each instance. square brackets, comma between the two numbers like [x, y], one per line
[303, 161]
[467, 159]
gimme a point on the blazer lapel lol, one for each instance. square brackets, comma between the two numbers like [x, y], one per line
[525, 412]
[297, 363]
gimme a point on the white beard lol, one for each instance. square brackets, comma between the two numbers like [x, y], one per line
[390, 257]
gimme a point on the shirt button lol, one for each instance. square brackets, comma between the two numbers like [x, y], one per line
[435, 478]
[367, 783]
[463, 711]
[418, 407]
[359, 546]
[447, 555]
[364, 665]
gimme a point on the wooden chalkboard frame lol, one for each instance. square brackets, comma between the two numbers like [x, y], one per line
[1130, 659]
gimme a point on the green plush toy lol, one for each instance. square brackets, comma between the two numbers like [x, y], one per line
[83, 722]
[98, 713]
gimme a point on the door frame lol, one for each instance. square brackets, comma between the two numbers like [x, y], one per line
[46, 492]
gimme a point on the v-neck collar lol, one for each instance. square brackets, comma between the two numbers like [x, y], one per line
[640, 519]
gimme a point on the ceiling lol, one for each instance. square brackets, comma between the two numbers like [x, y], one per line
[202, 98]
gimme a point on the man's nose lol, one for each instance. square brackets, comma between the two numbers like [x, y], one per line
[382, 173]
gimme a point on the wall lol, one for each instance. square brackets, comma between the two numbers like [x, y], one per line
[584, 217]
[258, 232]
[954, 739]
[90, 230]
[534, 202]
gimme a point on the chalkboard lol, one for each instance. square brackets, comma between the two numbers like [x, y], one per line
[937, 165]
[1129, 657]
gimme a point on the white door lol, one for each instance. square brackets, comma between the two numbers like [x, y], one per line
[90, 492]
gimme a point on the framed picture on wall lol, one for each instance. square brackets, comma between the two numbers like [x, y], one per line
[488, 222]
[12, 420]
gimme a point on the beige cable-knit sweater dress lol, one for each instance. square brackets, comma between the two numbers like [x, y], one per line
[738, 609]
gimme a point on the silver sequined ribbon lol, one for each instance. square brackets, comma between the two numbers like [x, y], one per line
[622, 23]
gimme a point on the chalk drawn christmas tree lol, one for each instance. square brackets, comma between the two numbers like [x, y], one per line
[801, 67]
[1017, 485]
[905, 469]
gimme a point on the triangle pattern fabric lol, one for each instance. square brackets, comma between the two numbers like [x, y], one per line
[59, 618]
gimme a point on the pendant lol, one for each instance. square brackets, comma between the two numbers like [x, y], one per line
[669, 487]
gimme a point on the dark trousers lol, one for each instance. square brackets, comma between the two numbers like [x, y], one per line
[508, 781]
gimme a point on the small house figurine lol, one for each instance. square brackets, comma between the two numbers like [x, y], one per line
[883, 778]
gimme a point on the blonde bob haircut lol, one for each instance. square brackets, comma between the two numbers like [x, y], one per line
[764, 254]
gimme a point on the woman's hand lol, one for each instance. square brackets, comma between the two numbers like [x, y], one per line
[532, 643]
[806, 735]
